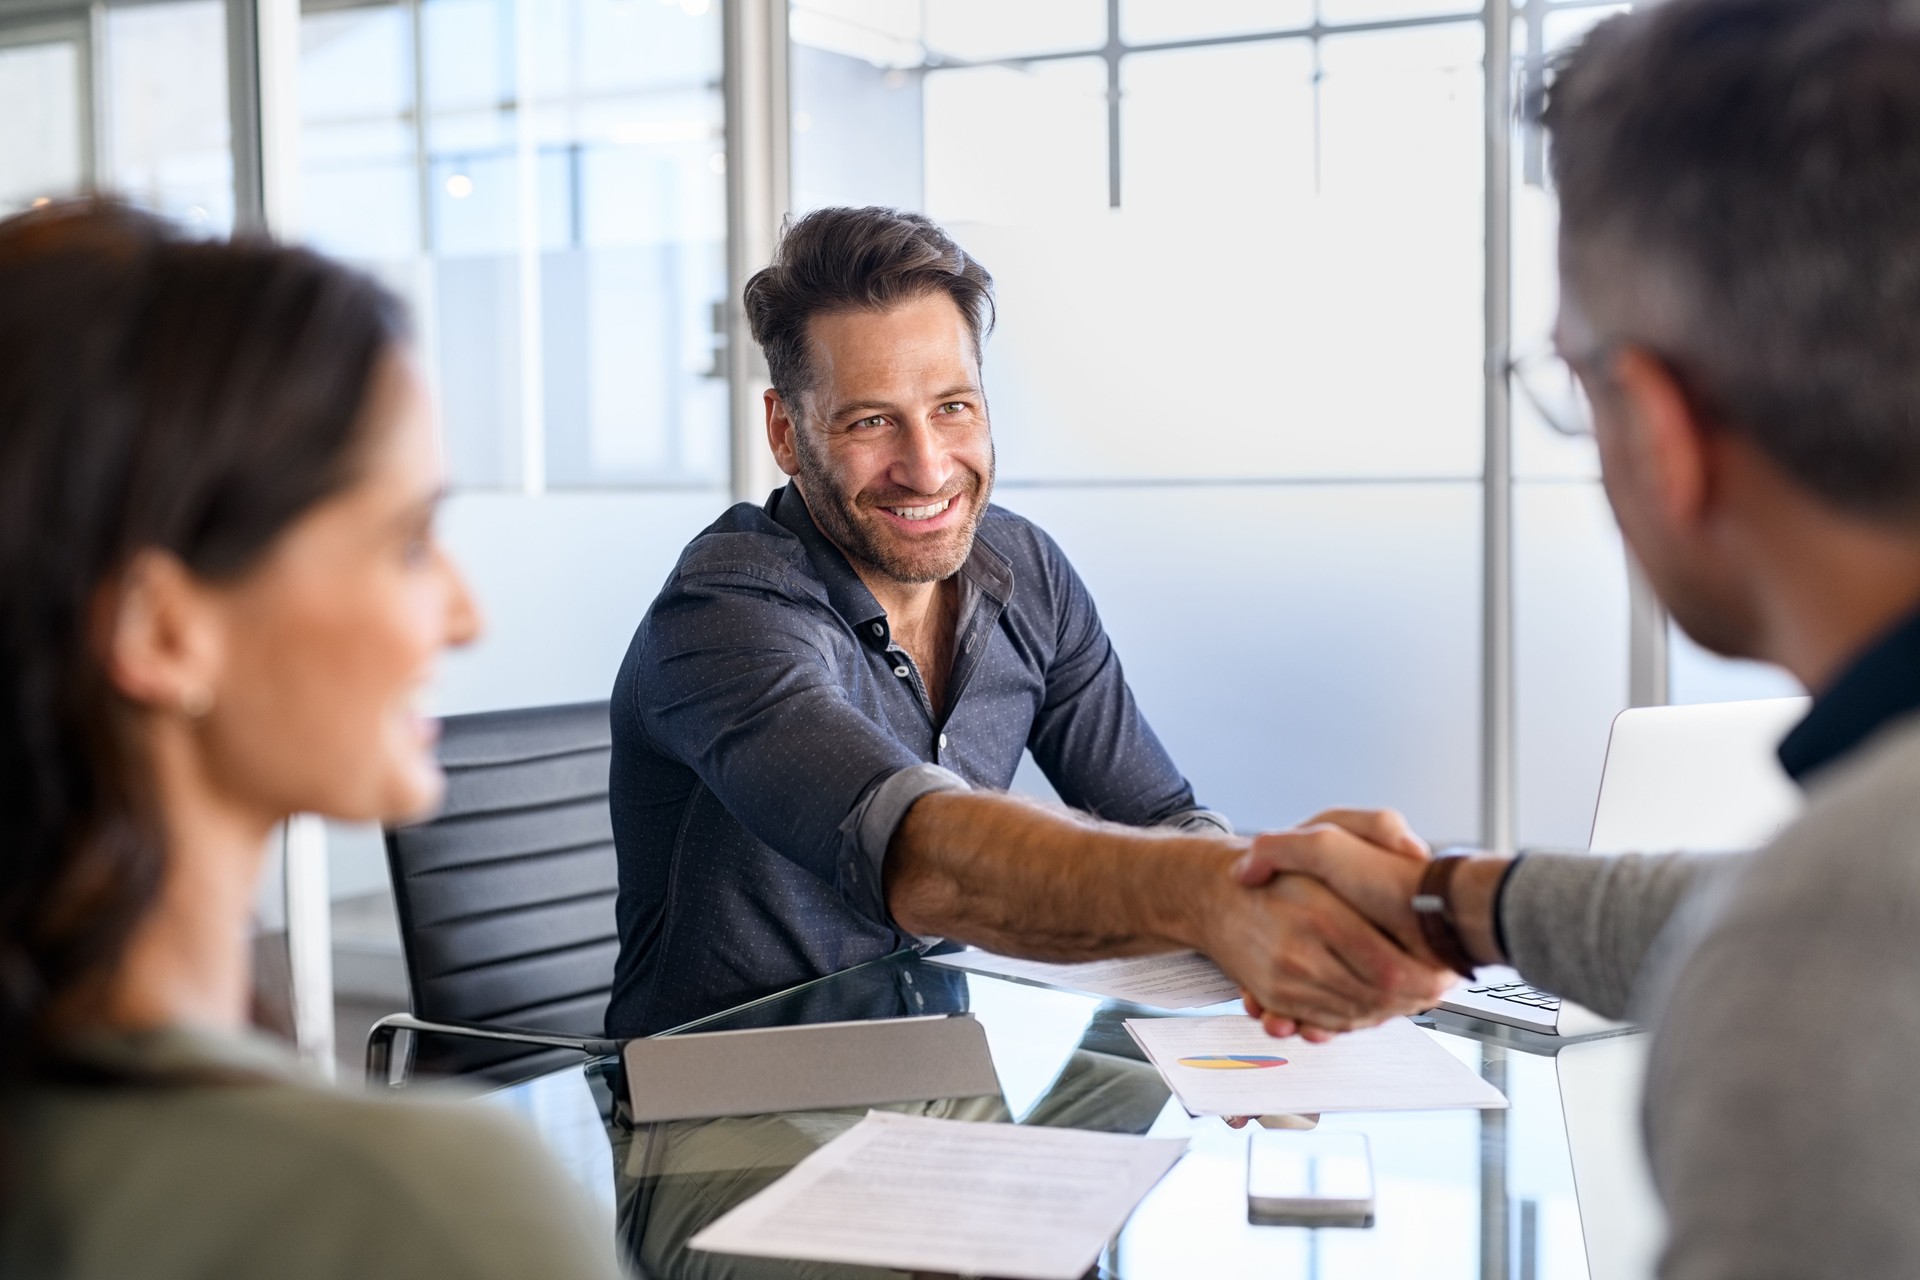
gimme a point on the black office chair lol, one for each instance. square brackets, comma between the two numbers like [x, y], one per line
[506, 901]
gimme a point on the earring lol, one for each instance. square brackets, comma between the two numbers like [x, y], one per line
[196, 701]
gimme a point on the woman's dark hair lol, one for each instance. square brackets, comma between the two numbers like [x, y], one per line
[856, 259]
[156, 393]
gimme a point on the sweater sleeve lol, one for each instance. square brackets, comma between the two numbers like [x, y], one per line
[1583, 927]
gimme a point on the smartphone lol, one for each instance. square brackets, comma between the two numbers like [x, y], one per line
[1311, 1179]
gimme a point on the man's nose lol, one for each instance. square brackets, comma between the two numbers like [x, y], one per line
[923, 464]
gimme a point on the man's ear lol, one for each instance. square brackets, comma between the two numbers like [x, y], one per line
[161, 636]
[781, 433]
[1667, 446]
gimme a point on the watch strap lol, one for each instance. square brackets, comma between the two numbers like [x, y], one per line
[1433, 905]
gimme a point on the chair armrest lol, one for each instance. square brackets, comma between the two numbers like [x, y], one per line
[381, 1037]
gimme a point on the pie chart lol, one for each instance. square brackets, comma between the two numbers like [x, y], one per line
[1234, 1062]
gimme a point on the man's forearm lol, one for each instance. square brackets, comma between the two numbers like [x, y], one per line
[1017, 877]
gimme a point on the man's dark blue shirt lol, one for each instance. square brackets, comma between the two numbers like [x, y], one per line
[769, 735]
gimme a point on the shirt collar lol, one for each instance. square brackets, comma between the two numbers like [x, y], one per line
[850, 597]
[1881, 685]
[986, 571]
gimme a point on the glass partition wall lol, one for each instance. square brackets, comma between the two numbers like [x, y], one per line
[127, 97]
[1243, 256]
[544, 179]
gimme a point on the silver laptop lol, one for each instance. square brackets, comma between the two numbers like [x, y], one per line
[1700, 778]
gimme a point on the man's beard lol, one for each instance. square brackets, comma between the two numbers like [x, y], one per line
[850, 525]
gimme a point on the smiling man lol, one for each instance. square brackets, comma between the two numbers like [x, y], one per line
[817, 720]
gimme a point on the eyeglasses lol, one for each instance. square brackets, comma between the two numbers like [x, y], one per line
[1548, 383]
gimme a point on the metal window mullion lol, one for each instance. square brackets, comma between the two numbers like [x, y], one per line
[273, 43]
[243, 117]
[426, 288]
[96, 161]
[1649, 680]
[758, 167]
[1112, 54]
[533, 432]
[276, 29]
[1497, 725]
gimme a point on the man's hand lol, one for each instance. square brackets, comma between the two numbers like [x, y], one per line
[1371, 858]
[1374, 862]
[1002, 873]
[1311, 962]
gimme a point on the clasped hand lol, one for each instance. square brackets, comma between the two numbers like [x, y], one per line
[1326, 939]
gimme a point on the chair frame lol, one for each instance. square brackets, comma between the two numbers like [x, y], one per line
[381, 1038]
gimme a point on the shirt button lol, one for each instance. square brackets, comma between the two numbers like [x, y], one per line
[902, 672]
[943, 742]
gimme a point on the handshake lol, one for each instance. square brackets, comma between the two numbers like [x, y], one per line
[1321, 930]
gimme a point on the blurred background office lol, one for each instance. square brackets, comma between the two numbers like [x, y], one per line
[1265, 267]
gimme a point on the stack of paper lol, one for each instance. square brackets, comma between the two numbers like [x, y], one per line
[946, 1195]
[1230, 1067]
[1180, 980]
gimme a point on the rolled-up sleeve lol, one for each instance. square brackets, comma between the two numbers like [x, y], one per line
[868, 831]
[740, 686]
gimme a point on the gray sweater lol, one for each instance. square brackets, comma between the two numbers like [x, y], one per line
[1783, 989]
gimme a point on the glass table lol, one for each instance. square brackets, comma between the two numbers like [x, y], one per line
[1487, 1195]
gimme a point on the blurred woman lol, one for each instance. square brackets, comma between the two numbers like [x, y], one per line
[220, 597]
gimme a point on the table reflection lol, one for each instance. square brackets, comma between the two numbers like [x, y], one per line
[673, 1178]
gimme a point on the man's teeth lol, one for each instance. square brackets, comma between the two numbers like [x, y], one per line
[921, 513]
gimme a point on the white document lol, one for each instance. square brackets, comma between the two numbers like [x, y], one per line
[1230, 1067]
[1022, 1202]
[1182, 980]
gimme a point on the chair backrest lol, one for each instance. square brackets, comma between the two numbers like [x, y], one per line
[506, 897]
[1695, 779]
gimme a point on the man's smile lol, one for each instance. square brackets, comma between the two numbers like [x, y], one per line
[925, 517]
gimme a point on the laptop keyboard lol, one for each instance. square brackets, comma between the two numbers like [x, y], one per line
[1519, 993]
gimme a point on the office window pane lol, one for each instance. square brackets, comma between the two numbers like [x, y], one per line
[40, 97]
[1538, 450]
[1147, 21]
[1570, 659]
[359, 184]
[1279, 688]
[1339, 11]
[980, 29]
[1275, 347]
[858, 132]
[633, 224]
[561, 232]
[883, 33]
[168, 130]
[1402, 118]
[1218, 132]
[1017, 144]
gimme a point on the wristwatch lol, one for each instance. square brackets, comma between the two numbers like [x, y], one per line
[1433, 906]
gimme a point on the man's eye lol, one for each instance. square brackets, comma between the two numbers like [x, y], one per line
[871, 422]
[954, 406]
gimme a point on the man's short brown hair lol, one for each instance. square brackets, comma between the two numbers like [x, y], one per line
[856, 259]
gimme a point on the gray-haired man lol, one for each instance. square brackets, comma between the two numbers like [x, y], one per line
[1740, 266]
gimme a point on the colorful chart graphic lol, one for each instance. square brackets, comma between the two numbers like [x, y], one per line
[1234, 1062]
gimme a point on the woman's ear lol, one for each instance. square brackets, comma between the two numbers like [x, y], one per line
[161, 633]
